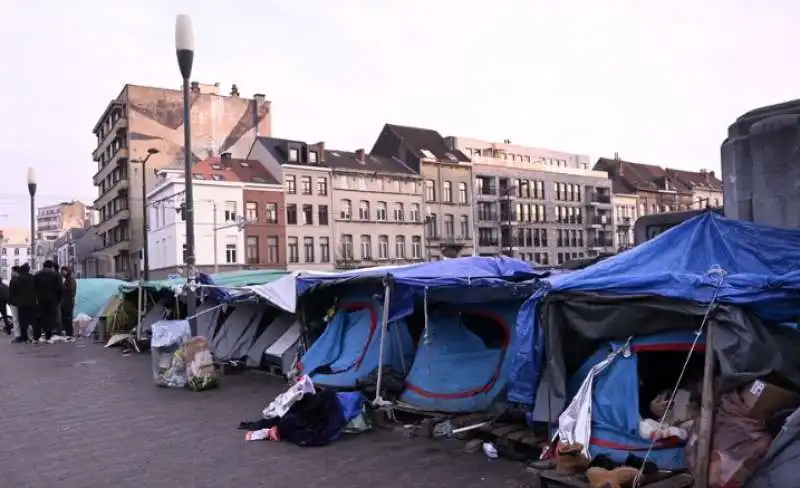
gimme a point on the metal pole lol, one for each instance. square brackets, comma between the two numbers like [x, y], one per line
[145, 253]
[191, 300]
[32, 192]
[216, 242]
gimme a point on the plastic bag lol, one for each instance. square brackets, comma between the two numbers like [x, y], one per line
[200, 372]
[738, 444]
[283, 402]
[169, 366]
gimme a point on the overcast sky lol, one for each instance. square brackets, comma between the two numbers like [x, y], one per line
[656, 81]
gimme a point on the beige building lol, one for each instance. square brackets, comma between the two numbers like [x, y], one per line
[447, 186]
[306, 176]
[55, 219]
[705, 187]
[378, 210]
[626, 208]
[142, 118]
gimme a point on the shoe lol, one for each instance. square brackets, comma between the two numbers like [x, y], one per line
[570, 459]
[35, 343]
[18, 340]
[54, 339]
[69, 339]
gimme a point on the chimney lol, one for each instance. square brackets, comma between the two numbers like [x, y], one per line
[321, 149]
[616, 156]
[225, 156]
[195, 87]
[711, 176]
[360, 156]
[259, 97]
[234, 90]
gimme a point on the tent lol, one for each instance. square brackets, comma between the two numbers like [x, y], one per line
[462, 362]
[93, 295]
[779, 467]
[349, 348]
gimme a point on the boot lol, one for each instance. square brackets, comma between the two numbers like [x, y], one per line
[570, 459]
[621, 477]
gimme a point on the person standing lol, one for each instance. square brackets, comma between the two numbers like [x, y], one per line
[49, 289]
[8, 325]
[11, 301]
[68, 302]
[22, 293]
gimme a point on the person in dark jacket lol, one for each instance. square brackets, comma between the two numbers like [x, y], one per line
[68, 302]
[22, 293]
[8, 325]
[11, 303]
[49, 290]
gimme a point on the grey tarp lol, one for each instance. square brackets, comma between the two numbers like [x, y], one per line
[155, 314]
[282, 351]
[237, 332]
[271, 329]
[207, 321]
[779, 468]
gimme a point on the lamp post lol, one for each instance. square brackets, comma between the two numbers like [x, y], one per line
[32, 193]
[184, 47]
[145, 252]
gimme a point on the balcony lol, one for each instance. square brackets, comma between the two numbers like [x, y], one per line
[623, 222]
[601, 243]
[122, 185]
[598, 198]
[488, 242]
[119, 126]
[599, 221]
[119, 157]
[371, 263]
[488, 216]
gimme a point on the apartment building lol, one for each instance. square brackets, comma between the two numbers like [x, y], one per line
[661, 190]
[447, 186]
[306, 177]
[53, 220]
[378, 210]
[14, 250]
[236, 202]
[626, 211]
[141, 119]
[539, 205]
[66, 250]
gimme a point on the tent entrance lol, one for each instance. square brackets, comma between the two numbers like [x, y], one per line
[464, 347]
[660, 366]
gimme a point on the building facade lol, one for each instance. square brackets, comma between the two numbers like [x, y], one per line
[144, 118]
[447, 186]
[53, 220]
[65, 248]
[378, 210]
[220, 212]
[14, 250]
[626, 210]
[306, 178]
[546, 207]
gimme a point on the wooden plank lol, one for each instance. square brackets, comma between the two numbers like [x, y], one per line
[519, 434]
[532, 440]
[551, 479]
[503, 430]
[683, 480]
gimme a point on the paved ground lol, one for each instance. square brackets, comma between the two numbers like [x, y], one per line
[81, 416]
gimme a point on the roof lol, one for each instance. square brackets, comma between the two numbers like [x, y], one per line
[629, 177]
[279, 148]
[421, 141]
[243, 170]
[344, 160]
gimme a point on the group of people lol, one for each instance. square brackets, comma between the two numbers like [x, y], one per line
[43, 302]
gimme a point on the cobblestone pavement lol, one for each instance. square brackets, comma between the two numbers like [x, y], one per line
[81, 416]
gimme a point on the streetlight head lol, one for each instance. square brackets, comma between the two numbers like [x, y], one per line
[153, 150]
[31, 176]
[184, 34]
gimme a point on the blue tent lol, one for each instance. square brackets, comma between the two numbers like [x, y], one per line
[750, 272]
[349, 348]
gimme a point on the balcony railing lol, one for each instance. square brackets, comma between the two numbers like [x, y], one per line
[601, 242]
[595, 197]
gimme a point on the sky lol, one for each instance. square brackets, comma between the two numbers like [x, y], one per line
[657, 82]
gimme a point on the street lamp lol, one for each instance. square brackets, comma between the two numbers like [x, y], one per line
[145, 254]
[184, 47]
[32, 193]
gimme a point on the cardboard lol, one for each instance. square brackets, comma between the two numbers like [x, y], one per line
[763, 399]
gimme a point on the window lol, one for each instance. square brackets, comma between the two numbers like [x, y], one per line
[449, 226]
[271, 211]
[308, 249]
[363, 210]
[383, 247]
[399, 214]
[306, 185]
[416, 247]
[324, 250]
[322, 215]
[400, 247]
[322, 186]
[312, 157]
[273, 255]
[345, 210]
[251, 251]
[415, 214]
[230, 211]
[347, 247]
[293, 155]
[251, 211]
[308, 214]
[230, 253]
[447, 191]
[380, 213]
[464, 224]
[366, 247]
[462, 193]
[291, 214]
[430, 191]
[294, 254]
[291, 184]
[433, 226]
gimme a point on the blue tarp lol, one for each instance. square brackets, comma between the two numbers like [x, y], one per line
[93, 293]
[742, 263]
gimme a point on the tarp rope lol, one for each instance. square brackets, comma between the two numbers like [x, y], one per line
[720, 275]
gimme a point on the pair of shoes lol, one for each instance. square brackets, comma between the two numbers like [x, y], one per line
[55, 338]
[36, 343]
[19, 340]
[69, 339]
[620, 477]
[570, 459]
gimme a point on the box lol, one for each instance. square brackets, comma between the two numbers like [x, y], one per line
[763, 399]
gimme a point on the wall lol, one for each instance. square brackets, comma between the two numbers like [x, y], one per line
[455, 174]
[168, 231]
[263, 230]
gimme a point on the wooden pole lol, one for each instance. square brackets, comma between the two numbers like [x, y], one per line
[705, 429]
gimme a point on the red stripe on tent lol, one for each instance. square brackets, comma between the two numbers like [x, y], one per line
[662, 444]
[373, 324]
[668, 347]
[495, 375]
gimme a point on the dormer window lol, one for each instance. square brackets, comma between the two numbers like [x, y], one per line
[216, 177]
[244, 164]
[293, 155]
[198, 176]
[216, 166]
[312, 157]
